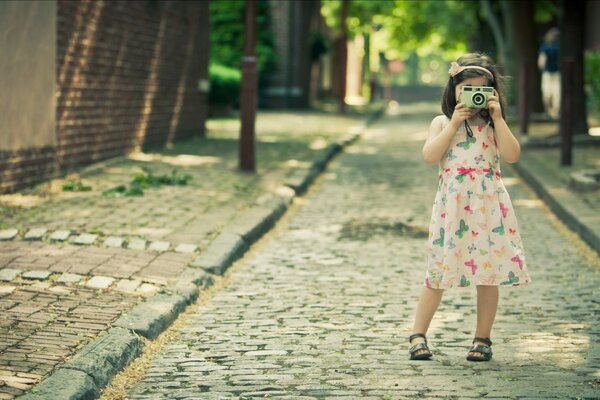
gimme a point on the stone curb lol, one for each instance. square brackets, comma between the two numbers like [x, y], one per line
[97, 363]
[91, 369]
[154, 315]
[561, 202]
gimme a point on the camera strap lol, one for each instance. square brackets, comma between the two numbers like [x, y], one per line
[468, 129]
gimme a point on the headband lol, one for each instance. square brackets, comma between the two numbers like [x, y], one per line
[456, 69]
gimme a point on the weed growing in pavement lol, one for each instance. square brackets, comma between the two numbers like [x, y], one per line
[76, 186]
[147, 180]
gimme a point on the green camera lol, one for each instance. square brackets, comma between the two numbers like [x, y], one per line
[476, 96]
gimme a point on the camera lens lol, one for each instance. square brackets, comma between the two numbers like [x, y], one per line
[478, 99]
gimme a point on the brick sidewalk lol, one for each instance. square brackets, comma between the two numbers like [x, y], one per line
[72, 262]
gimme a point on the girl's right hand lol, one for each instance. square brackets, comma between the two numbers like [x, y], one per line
[462, 113]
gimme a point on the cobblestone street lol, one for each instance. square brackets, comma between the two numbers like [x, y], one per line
[323, 307]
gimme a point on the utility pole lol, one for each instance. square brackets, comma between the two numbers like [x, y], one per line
[248, 91]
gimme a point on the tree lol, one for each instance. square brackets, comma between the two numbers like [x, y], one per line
[525, 45]
[227, 36]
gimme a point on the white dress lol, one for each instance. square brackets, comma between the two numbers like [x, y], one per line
[473, 235]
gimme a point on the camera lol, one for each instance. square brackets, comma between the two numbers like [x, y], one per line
[476, 96]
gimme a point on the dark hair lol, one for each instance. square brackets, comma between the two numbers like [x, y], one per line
[479, 60]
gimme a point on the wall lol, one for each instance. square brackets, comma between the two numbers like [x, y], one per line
[27, 72]
[126, 78]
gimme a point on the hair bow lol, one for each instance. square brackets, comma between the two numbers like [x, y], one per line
[456, 69]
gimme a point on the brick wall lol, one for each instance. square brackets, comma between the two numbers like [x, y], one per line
[126, 77]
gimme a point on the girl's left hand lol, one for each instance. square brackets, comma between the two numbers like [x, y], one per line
[494, 106]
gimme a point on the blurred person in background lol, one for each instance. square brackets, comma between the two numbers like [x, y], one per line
[548, 62]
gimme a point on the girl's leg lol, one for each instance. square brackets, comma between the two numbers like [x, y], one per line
[426, 308]
[487, 304]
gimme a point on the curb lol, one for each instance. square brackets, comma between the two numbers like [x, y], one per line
[91, 369]
[561, 203]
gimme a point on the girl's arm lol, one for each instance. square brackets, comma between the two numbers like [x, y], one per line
[441, 133]
[508, 145]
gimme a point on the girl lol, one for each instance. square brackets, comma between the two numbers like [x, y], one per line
[473, 235]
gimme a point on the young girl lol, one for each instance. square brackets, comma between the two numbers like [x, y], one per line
[473, 237]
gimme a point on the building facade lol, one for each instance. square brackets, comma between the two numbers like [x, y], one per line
[83, 81]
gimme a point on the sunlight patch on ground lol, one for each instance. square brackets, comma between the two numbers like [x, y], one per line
[20, 200]
[182, 160]
[358, 149]
[508, 181]
[531, 343]
[297, 164]
[318, 144]
[528, 203]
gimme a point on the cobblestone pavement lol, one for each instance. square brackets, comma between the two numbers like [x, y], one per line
[72, 263]
[324, 308]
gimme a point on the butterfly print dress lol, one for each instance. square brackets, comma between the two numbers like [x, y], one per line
[473, 235]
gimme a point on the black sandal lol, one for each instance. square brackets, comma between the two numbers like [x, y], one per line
[419, 346]
[484, 350]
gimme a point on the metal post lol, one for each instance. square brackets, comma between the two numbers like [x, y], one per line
[248, 91]
[566, 112]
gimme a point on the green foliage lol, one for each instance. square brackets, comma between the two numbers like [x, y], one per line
[592, 80]
[441, 27]
[224, 84]
[424, 34]
[147, 180]
[545, 10]
[361, 14]
[227, 35]
[76, 186]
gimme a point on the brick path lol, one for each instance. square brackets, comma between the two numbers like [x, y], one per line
[55, 295]
[324, 308]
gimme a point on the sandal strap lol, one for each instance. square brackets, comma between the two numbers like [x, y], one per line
[481, 349]
[417, 347]
[487, 341]
[417, 335]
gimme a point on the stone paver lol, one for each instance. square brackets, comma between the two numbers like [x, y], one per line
[9, 274]
[69, 278]
[114, 241]
[159, 246]
[100, 282]
[136, 244]
[324, 309]
[128, 285]
[186, 248]
[36, 274]
[60, 235]
[7, 234]
[85, 238]
[35, 234]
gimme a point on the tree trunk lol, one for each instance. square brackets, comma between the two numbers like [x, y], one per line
[529, 95]
[572, 29]
[343, 65]
[526, 49]
[494, 24]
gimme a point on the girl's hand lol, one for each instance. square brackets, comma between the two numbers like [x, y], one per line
[462, 113]
[494, 106]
